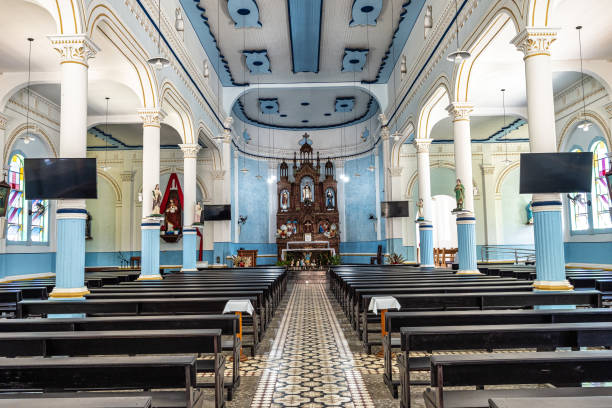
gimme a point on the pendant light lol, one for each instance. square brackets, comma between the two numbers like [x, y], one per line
[585, 125]
[503, 91]
[458, 56]
[27, 138]
[106, 167]
[355, 120]
[159, 61]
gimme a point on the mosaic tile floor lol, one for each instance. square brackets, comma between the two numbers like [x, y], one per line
[310, 363]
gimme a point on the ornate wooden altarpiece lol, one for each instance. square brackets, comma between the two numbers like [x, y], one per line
[308, 205]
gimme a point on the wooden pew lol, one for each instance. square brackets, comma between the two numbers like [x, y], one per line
[514, 368]
[552, 402]
[491, 337]
[394, 321]
[8, 301]
[108, 373]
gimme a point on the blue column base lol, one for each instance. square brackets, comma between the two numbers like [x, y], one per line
[70, 256]
[466, 242]
[189, 250]
[149, 256]
[426, 238]
[549, 249]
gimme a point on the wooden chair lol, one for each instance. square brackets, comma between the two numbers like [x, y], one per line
[135, 261]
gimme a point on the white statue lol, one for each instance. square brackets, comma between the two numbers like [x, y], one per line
[419, 208]
[157, 199]
[306, 193]
[197, 217]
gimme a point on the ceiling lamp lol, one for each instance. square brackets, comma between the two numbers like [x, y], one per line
[28, 138]
[458, 56]
[585, 125]
[158, 62]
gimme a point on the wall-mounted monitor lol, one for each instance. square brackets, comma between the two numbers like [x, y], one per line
[217, 212]
[391, 209]
[65, 178]
[543, 173]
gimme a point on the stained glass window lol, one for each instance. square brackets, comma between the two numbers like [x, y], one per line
[599, 193]
[26, 220]
[579, 210]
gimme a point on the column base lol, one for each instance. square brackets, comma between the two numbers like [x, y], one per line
[68, 293]
[427, 266]
[552, 285]
[149, 277]
[189, 270]
[467, 272]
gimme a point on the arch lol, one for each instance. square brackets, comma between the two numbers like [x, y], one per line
[178, 112]
[433, 108]
[113, 183]
[502, 175]
[210, 144]
[21, 129]
[67, 14]
[537, 13]
[576, 118]
[397, 146]
[102, 20]
[491, 27]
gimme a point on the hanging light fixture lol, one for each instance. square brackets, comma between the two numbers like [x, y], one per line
[503, 91]
[28, 138]
[458, 56]
[159, 61]
[106, 167]
[585, 125]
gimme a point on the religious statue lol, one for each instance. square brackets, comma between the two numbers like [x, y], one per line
[306, 194]
[419, 205]
[307, 256]
[459, 195]
[284, 200]
[173, 217]
[529, 212]
[330, 199]
[157, 199]
[197, 217]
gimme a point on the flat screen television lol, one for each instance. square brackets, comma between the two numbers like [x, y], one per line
[391, 209]
[65, 178]
[568, 172]
[217, 212]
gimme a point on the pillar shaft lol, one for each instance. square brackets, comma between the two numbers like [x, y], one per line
[548, 231]
[222, 230]
[74, 51]
[3, 174]
[150, 225]
[190, 152]
[466, 222]
[425, 223]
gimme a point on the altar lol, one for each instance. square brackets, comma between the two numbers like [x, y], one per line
[303, 247]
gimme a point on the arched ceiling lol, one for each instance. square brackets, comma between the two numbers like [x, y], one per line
[310, 108]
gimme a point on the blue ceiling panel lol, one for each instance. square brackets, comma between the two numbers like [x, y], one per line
[268, 106]
[244, 13]
[345, 104]
[305, 29]
[365, 134]
[354, 60]
[245, 136]
[408, 16]
[365, 12]
[257, 62]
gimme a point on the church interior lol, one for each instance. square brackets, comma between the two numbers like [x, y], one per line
[305, 203]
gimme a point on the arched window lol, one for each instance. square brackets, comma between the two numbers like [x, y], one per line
[600, 195]
[579, 209]
[27, 221]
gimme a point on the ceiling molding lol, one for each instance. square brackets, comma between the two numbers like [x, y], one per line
[354, 60]
[257, 61]
[245, 13]
[344, 105]
[268, 106]
[305, 18]
[365, 12]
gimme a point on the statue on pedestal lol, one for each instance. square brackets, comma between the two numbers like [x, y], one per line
[529, 212]
[197, 217]
[173, 217]
[459, 195]
[419, 206]
[157, 200]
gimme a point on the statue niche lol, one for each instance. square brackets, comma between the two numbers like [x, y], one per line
[307, 204]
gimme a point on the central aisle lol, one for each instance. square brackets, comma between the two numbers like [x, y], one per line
[310, 363]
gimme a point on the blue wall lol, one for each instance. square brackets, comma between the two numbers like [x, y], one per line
[360, 201]
[253, 201]
[588, 252]
[26, 263]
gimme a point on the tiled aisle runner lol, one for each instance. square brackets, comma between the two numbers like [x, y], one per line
[310, 363]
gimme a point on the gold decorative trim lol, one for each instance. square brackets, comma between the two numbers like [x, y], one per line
[149, 277]
[58, 294]
[553, 287]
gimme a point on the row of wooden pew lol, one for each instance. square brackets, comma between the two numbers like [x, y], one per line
[144, 335]
[441, 312]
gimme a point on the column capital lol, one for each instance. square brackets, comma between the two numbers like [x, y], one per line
[190, 151]
[227, 122]
[151, 116]
[385, 134]
[396, 171]
[218, 174]
[127, 176]
[534, 41]
[487, 169]
[422, 145]
[382, 118]
[460, 111]
[3, 121]
[608, 109]
[74, 48]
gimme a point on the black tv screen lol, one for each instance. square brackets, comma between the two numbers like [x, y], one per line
[391, 209]
[556, 173]
[60, 178]
[217, 212]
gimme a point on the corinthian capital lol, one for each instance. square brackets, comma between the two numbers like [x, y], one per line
[422, 145]
[396, 171]
[385, 134]
[151, 116]
[534, 41]
[459, 111]
[74, 48]
[190, 151]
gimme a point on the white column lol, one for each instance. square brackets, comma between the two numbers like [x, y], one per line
[222, 230]
[272, 201]
[341, 199]
[236, 208]
[125, 227]
[3, 174]
[425, 223]
[548, 226]
[377, 186]
[490, 206]
[74, 51]
[190, 161]
[385, 137]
